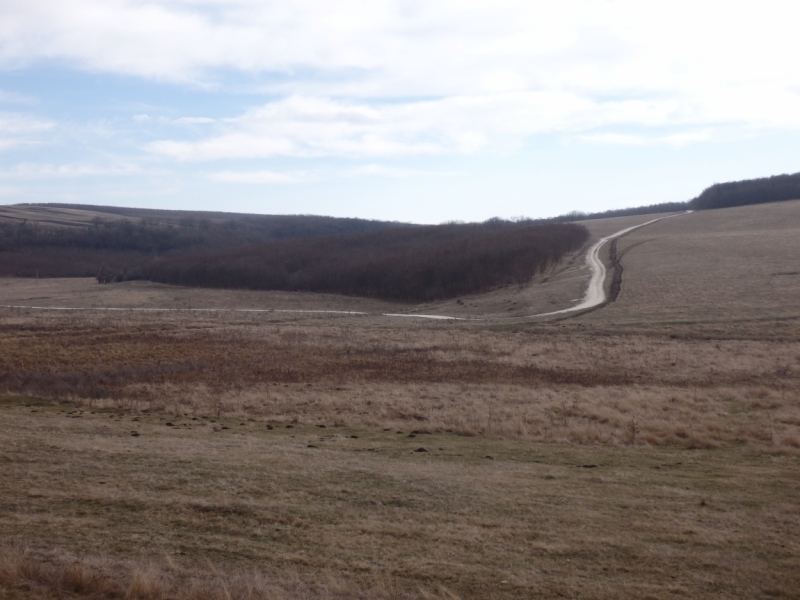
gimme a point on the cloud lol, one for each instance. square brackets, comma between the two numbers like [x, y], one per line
[376, 170]
[258, 177]
[36, 171]
[301, 126]
[287, 177]
[373, 79]
[18, 129]
[628, 139]
[194, 121]
[390, 48]
[18, 124]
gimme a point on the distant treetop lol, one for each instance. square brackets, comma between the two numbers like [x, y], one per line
[777, 188]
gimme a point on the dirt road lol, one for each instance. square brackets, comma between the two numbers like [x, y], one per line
[595, 294]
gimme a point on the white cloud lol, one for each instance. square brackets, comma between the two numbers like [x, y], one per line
[36, 170]
[629, 139]
[316, 127]
[17, 124]
[382, 78]
[287, 177]
[376, 170]
[195, 121]
[18, 129]
[259, 177]
[410, 47]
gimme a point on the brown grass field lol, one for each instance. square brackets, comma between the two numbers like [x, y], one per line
[62, 217]
[648, 449]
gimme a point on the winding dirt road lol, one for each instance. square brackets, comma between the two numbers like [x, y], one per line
[595, 293]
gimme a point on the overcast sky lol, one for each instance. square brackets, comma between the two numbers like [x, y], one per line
[422, 111]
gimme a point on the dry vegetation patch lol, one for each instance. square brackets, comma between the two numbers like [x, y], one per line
[255, 512]
[545, 382]
[723, 266]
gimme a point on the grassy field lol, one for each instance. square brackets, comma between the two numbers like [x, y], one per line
[648, 449]
[210, 507]
[62, 217]
[736, 264]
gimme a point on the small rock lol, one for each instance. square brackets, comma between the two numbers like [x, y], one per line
[290, 427]
[489, 457]
[169, 424]
[420, 450]
[311, 446]
[353, 437]
[134, 434]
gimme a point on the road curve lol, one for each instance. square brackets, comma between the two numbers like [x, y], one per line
[595, 293]
[594, 296]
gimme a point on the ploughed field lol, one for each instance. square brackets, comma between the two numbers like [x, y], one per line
[646, 449]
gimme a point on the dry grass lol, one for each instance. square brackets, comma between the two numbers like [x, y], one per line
[645, 450]
[28, 573]
[63, 217]
[316, 513]
[543, 383]
[736, 264]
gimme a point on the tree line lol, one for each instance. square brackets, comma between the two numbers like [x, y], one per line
[121, 246]
[409, 264]
[777, 188]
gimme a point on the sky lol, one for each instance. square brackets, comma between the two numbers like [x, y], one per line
[421, 111]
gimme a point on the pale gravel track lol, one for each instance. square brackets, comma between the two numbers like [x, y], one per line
[594, 296]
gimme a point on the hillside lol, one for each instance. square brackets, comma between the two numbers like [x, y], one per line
[354, 257]
[79, 241]
[778, 188]
[717, 266]
[267, 226]
[413, 264]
